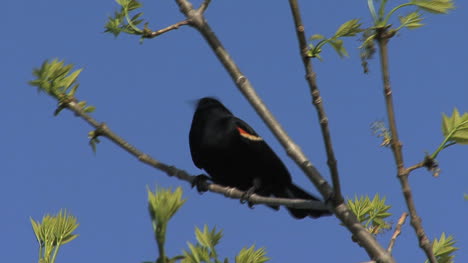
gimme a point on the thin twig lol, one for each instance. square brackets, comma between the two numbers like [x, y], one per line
[147, 33]
[204, 6]
[397, 231]
[416, 166]
[382, 39]
[316, 100]
[103, 130]
[346, 216]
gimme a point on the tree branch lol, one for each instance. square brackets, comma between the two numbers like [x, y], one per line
[147, 33]
[416, 166]
[397, 231]
[316, 100]
[382, 38]
[204, 6]
[347, 217]
[103, 130]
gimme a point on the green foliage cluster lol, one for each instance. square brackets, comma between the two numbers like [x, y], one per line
[455, 130]
[371, 214]
[163, 204]
[57, 80]
[411, 20]
[380, 130]
[443, 249]
[381, 22]
[382, 29]
[53, 232]
[205, 249]
[122, 22]
[348, 29]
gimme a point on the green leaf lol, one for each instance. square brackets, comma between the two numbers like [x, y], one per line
[368, 40]
[70, 79]
[194, 253]
[89, 109]
[81, 104]
[446, 125]
[73, 90]
[383, 4]
[134, 5]
[197, 254]
[53, 232]
[65, 224]
[37, 230]
[412, 20]
[208, 238]
[371, 214]
[337, 44]
[121, 22]
[251, 255]
[164, 203]
[314, 52]
[113, 24]
[348, 29]
[317, 37]
[435, 6]
[455, 127]
[444, 248]
[135, 19]
[360, 207]
[55, 78]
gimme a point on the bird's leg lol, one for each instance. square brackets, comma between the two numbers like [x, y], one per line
[246, 196]
[201, 182]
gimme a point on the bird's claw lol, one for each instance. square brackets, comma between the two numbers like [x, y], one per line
[245, 198]
[201, 182]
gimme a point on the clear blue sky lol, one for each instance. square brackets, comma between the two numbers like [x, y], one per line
[142, 93]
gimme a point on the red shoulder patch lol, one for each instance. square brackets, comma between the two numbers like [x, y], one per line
[247, 135]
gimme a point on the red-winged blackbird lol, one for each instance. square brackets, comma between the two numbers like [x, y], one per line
[233, 155]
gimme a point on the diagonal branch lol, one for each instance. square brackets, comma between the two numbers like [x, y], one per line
[204, 6]
[103, 130]
[397, 231]
[382, 38]
[316, 100]
[346, 216]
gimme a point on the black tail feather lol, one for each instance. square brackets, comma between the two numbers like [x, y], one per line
[294, 192]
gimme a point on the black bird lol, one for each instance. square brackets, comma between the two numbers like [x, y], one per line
[234, 155]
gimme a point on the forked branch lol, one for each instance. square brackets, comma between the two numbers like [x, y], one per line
[103, 130]
[382, 39]
[316, 100]
[363, 237]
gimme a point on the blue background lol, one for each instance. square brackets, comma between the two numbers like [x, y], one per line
[144, 93]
